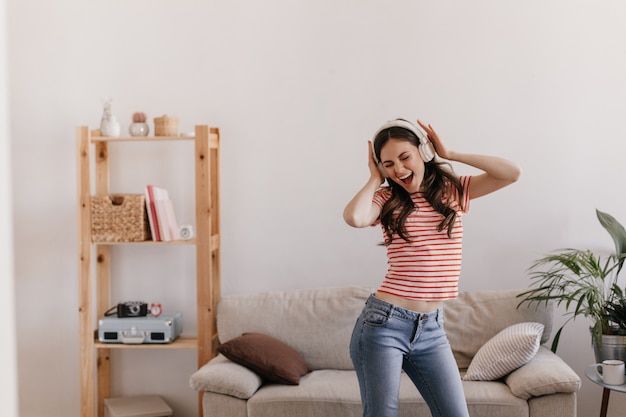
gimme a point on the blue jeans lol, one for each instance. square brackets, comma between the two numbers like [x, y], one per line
[389, 339]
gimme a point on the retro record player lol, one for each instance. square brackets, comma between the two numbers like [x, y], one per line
[164, 328]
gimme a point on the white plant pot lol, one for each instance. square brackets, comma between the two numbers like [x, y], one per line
[139, 129]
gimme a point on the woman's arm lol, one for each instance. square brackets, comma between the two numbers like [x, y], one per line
[498, 172]
[361, 211]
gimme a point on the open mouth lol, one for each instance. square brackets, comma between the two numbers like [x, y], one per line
[407, 179]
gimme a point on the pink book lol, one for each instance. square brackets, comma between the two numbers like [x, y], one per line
[152, 217]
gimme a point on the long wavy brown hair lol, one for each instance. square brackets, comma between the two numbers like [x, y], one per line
[438, 178]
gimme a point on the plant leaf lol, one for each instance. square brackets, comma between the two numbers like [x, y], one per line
[555, 341]
[617, 232]
[615, 229]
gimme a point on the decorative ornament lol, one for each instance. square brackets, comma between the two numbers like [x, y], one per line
[108, 125]
[156, 309]
[139, 127]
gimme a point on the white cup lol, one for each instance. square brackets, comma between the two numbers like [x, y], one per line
[611, 371]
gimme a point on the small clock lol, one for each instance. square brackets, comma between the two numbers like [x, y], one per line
[156, 309]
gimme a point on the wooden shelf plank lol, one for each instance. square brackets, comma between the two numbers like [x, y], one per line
[215, 242]
[150, 242]
[213, 139]
[182, 342]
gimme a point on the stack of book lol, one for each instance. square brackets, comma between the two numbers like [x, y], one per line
[161, 217]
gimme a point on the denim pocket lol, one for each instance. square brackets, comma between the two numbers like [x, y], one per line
[440, 320]
[375, 318]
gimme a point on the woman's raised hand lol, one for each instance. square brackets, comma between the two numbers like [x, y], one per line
[372, 164]
[440, 147]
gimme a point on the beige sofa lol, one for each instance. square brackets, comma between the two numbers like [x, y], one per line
[317, 324]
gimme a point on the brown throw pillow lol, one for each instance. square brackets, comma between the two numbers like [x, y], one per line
[270, 358]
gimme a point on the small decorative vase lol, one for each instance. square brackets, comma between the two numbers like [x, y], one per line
[110, 127]
[139, 129]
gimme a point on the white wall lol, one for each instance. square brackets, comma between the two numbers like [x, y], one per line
[8, 351]
[297, 89]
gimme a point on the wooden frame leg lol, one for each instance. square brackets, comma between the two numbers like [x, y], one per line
[605, 402]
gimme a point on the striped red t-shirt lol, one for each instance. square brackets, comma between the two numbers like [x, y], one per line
[428, 267]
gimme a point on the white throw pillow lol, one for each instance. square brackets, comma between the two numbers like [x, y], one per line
[223, 376]
[505, 352]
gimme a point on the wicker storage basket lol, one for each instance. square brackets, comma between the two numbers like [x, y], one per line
[166, 126]
[119, 218]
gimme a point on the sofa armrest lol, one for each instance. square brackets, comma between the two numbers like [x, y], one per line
[222, 376]
[545, 374]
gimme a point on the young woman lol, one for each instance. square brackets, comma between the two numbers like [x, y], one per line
[420, 211]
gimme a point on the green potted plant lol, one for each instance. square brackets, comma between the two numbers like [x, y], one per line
[616, 313]
[613, 345]
[588, 285]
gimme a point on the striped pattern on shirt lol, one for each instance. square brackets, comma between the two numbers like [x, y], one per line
[428, 267]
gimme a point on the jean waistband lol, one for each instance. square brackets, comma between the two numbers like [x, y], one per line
[394, 311]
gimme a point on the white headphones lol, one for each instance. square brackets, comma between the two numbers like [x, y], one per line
[425, 148]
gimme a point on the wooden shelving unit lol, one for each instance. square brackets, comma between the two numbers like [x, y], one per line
[95, 260]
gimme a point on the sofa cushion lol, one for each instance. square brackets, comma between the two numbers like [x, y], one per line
[316, 323]
[477, 316]
[505, 352]
[270, 358]
[336, 393]
[545, 374]
[223, 376]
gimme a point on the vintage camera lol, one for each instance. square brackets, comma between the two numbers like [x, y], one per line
[132, 309]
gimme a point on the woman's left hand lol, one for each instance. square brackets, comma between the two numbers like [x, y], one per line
[440, 147]
[498, 172]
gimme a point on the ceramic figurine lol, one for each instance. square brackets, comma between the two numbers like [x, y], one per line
[108, 125]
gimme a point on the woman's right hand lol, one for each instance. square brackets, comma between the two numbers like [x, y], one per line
[361, 211]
